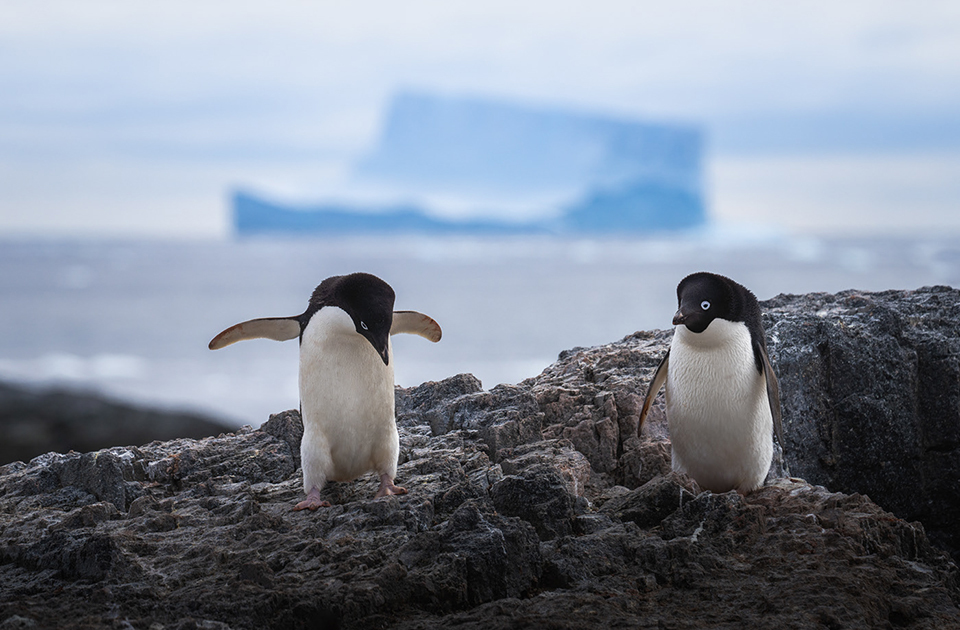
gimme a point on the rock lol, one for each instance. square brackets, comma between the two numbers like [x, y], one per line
[573, 467]
[539, 496]
[652, 502]
[286, 427]
[503, 417]
[870, 386]
[34, 422]
[533, 505]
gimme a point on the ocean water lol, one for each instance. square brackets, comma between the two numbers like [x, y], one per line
[133, 319]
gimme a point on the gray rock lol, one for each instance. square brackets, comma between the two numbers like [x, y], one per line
[287, 427]
[534, 505]
[539, 496]
[870, 388]
[652, 502]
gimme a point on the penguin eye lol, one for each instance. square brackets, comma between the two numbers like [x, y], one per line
[363, 325]
[704, 305]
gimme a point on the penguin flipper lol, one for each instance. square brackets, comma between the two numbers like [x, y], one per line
[773, 395]
[276, 328]
[659, 377]
[415, 323]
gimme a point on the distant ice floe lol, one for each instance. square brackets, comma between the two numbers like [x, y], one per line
[461, 165]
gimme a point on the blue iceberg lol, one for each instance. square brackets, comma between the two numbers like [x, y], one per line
[556, 171]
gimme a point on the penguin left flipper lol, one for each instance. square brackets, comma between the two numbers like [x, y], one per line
[773, 394]
[415, 323]
[276, 328]
[659, 377]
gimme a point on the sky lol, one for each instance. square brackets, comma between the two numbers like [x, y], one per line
[125, 119]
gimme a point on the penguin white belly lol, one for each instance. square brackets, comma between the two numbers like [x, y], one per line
[717, 410]
[347, 403]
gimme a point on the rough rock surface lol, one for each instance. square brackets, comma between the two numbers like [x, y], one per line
[37, 421]
[533, 505]
[870, 388]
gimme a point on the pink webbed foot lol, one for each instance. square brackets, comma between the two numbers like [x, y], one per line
[387, 488]
[312, 502]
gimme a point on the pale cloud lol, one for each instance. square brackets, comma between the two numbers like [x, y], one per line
[851, 194]
[102, 99]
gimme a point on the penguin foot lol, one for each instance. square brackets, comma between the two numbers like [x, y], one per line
[312, 502]
[387, 488]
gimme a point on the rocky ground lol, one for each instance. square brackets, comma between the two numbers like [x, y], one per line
[533, 505]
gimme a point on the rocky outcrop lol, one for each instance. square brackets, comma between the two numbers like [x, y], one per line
[37, 421]
[534, 505]
[870, 388]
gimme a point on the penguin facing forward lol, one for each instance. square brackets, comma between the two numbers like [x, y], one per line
[722, 396]
[346, 379]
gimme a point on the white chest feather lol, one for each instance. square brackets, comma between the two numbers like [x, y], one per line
[347, 402]
[717, 409]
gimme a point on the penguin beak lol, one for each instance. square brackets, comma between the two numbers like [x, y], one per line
[382, 346]
[679, 318]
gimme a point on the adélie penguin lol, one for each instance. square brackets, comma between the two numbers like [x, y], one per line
[346, 379]
[722, 396]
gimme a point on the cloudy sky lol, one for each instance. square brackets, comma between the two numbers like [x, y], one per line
[131, 119]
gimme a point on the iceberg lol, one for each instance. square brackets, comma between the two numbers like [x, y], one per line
[470, 165]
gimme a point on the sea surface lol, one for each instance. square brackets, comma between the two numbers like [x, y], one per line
[132, 319]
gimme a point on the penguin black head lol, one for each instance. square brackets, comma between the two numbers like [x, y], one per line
[368, 301]
[703, 297]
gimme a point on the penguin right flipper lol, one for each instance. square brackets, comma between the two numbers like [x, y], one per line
[659, 377]
[773, 396]
[415, 323]
[276, 328]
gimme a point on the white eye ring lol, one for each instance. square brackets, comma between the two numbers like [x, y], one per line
[363, 325]
[705, 305]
